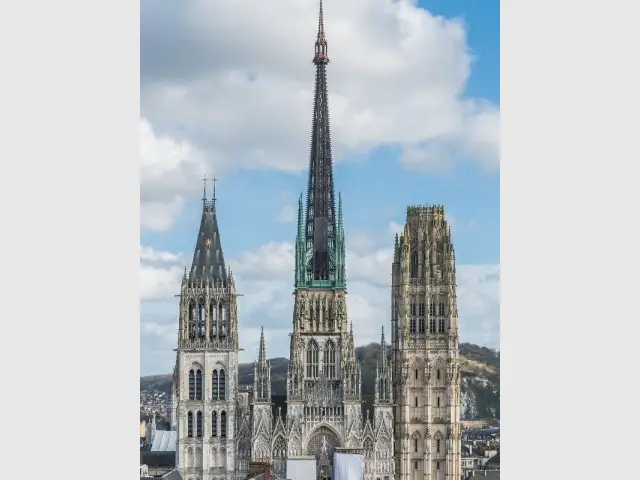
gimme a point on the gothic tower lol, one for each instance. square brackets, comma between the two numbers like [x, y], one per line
[324, 379]
[426, 365]
[206, 371]
[262, 420]
[382, 465]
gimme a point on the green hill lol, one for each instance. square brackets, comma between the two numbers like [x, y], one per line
[480, 372]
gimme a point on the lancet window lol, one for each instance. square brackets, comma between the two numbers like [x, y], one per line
[312, 359]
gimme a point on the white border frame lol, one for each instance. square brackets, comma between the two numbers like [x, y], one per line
[569, 238]
[69, 187]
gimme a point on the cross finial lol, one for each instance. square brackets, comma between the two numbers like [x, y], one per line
[204, 192]
[214, 180]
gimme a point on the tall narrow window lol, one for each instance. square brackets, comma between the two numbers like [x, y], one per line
[416, 403]
[437, 465]
[214, 385]
[412, 325]
[421, 309]
[414, 265]
[312, 359]
[441, 308]
[438, 374]
[330, 359]
[222, 385]
[413, 309]
[432, 308]
[421, 325]
[416, 374]
[438, 402]
[223, 320]
[223, 425]
[214, 321]
[192, 320]
[192, 385]
[437, 445]
[415, 465]
[201, 317]
[214, 424]
[190, 424]
[198, 385]
[199, 424]
[441, 325]
[432, 325]
[415, 444]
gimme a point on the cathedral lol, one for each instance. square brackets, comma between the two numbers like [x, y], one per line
[412, 430]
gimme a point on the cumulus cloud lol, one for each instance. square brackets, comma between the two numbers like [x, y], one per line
[169, 170]
[265, 278]
[235, 79]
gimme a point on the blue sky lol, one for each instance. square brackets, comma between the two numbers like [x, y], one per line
[404, 154]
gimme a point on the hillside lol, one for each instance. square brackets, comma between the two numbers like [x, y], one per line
[480, 369]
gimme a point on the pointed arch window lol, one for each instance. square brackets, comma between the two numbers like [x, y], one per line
[412, 325]
[222, 320]
[201, 318]
[330, 359]
[312, 359]
[441, 308]
[222, 390]
[415, 445]
[421, 325]
[414, 264]
[438, 402]
[213, 318]
[441, 325]
[198, 386]
[192, 385]
[432, 308]
[438, 374]
[199, 424]
[214, 385]
[192, 319]
[416, 402]
[437, 445]
[432, 325]
[189, 424]
[223, 425]
[214, 424]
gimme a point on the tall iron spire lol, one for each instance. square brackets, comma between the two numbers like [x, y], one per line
[320, 231]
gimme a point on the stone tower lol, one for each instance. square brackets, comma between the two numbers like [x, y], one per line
[324, 408]
[262, 421]
[426, 367]
[206, 373]
[381, 466]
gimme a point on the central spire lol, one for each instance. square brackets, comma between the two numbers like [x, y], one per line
[320, 239]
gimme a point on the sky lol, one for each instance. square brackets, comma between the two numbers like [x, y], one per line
[226, 89]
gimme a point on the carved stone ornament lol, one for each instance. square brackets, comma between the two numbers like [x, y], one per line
[405, 371]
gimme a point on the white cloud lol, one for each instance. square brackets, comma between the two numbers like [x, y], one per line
[287, 214]
[169, 169]
[236, 79]
[160, 274]
[265, 278]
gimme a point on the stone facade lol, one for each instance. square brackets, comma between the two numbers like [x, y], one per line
[426, 349]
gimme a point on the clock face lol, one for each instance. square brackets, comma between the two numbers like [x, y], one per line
[207, 243]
